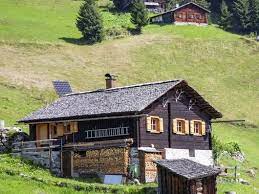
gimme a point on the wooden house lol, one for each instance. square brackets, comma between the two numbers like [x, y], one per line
[184, 176]
[103, 130]
[188, 13]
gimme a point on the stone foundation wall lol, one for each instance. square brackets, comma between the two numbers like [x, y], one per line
[42, 158]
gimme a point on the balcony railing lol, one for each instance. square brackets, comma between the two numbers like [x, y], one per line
[110, 132]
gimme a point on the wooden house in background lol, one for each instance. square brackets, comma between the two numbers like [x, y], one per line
[184, 176]
[188, 13]
[106, 131]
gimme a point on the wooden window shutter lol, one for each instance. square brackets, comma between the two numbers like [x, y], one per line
[192, 127]
[203, 128]
[161, 125]
[75, 127]
[186, 127]
[175, 125]
[149, 124]
[60, 129]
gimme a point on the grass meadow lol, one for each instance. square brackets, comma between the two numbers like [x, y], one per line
[39, 43]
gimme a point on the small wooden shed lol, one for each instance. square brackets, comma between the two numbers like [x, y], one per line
[184, 176]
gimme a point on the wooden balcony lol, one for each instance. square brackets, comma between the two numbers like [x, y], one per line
[110, 132]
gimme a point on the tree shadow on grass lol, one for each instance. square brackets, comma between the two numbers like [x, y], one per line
[77, 41]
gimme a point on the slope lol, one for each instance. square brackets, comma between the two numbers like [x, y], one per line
[39, 43]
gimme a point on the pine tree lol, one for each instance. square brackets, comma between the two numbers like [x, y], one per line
[252, 16]
[226, 16]
[89, 22]
[139, 15]
[239, 16]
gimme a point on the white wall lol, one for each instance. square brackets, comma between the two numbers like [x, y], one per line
[201, 156]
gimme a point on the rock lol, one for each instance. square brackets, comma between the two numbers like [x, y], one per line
[256, 190]
[251, 172]
[136, 181]
[230, 192]
[244, 182]
[239, 156]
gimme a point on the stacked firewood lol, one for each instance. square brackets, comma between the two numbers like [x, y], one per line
[148, 168]
[106, 160]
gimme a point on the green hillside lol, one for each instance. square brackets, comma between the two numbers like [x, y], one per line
[39, 43]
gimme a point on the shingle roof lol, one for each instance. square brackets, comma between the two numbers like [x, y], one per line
[115, 101]
[187, 168]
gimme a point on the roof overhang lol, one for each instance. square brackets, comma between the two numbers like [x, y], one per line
[85, 118]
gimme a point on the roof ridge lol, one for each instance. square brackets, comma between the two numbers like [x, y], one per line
[124, 87]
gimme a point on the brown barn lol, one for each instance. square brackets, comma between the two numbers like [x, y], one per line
[189, 13]
[184, 176]
[102, 131]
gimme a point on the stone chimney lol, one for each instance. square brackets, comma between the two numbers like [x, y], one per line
[110, 80]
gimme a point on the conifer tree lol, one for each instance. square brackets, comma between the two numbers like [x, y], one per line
[239, 16]
[89, 22]
[226, 17]
[139, 15]
[252, 16]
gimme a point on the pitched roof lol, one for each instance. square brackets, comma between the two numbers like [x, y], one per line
[187, 168]
[181, 6]
[114, 101]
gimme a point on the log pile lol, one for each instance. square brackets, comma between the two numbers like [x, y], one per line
[106, 160]
[148, 168]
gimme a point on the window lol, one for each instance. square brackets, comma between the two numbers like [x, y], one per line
[155, 124]
[55, 131]
[180, 126]
[198, 127]
[190, 16]
[198, 16]
[67, 128]
[179, 15]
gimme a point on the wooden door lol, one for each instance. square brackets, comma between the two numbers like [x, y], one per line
[67, 163]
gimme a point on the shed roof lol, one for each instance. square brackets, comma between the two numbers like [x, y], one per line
[114, 101]
[187, 168]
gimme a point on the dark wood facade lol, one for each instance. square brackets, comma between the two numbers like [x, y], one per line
[189, 13]
[168, 139]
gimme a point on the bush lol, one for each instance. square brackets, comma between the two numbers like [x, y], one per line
[89, 22]
[218, 148]
[116, 32]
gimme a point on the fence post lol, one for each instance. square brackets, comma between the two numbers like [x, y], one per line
[235, 173]
[61, 157]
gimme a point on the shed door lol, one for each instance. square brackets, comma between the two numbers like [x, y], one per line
[67, 163]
